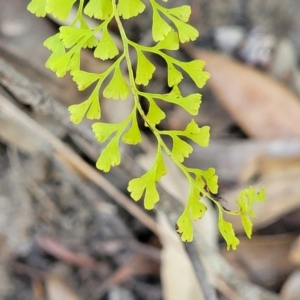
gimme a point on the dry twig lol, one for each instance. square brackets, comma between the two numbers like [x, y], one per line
[69, 158]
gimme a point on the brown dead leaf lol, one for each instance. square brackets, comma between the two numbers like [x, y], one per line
[177, 273]
[230, 157]
[57, 290]
[263, 260]
[282, 197]
[261, 106]
[280, 178]
[15, 136]
[269, 166]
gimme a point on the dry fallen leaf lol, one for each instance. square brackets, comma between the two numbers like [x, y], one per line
[14, 136]
[280, 178]
[57, 290]
[263, 259]
[230, 157]
[177, 274]
[291, 288]
[261, 106]
[269, 166]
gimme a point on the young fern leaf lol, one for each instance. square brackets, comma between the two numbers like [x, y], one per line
[101, 10]
[60, 9]
[54, 44]
[174, 76]
[110, 156]
[182, 12]
[84, 79]
[247, 198]
[170, 42]
[144, 69]
[106, 48]
[197, 207]
[180, 149]
[228, 233]
[198, 135]
[78, 111]
[117, 87]
[211, 180]
[71, 36]
[94, 111]
[130, 8]
[147, 182]
[185, 226]
[169, 29]
[155, 113]
[193, 69]
[60, 64]
[103, 131]
[133, 135]
[186, 32]
[37, 7]
[160, 28]
[190, 103]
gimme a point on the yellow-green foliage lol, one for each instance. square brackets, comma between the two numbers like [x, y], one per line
[169, 29]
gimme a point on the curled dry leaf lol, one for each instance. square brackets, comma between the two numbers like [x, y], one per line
[261, 106]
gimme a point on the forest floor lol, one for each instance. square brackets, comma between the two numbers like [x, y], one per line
[70, 232]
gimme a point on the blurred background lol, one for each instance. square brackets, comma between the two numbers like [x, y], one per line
[67, 232]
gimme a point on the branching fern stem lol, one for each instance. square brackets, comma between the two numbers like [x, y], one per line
[66, 50]
[136, 94]
[125, 42]
[79, 12]
[158, 134]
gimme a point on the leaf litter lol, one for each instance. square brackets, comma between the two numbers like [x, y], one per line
[80, 226]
